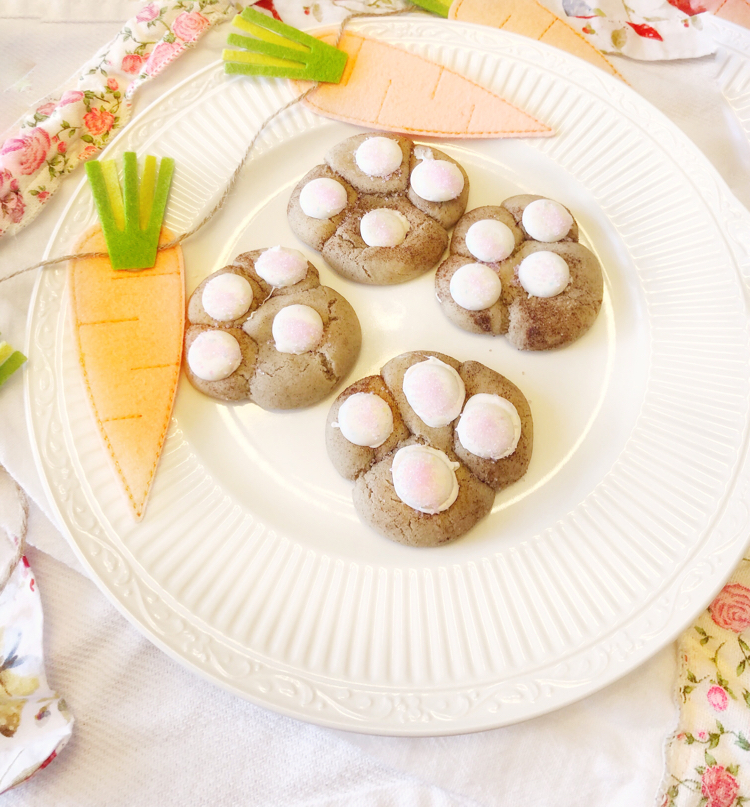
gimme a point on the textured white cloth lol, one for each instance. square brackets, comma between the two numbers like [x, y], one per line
[149, 732]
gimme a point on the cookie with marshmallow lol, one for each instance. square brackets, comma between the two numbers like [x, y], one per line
[380, 207]
[518, 270]
[427, 444]
[264, 330]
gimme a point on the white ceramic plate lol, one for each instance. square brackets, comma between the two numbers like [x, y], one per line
[251, 565]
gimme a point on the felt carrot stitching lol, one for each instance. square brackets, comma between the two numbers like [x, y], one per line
[530, 18]
[131, 219]
[277, 49]
[385, 87]
[128, 329]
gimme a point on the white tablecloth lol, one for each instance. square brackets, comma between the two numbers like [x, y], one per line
[150, 732]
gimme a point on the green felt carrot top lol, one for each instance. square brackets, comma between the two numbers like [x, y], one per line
[277, 49]
[10, 361]
[440, 7]
[131, 218]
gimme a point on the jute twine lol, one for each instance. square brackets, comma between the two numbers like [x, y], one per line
[237, 171]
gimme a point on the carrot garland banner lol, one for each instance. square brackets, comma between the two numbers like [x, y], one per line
[131, 219]
[385, 87]
[128, 329]
[276, 49]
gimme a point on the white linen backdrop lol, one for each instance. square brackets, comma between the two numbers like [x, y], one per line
[150, 732]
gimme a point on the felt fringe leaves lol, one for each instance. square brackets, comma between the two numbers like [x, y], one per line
[277, 49]
[440, 7]
[131, 219]
[10, 361]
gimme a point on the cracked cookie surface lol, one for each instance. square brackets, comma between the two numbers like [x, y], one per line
[335, 228]
[376, 494]
[530, 321]
[259, 372]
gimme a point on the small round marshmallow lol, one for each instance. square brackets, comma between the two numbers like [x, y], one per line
[475, 287]
[490, 240]
[489, 426]
[365, 419]
[383, 228]
[435, 391]
[543, 274]
[437, 180]
[322, 198]
[378, 156]
[545, 220]
[297, 329]
[227, 297]
[425, 479]
[214, 355]
[281, 267]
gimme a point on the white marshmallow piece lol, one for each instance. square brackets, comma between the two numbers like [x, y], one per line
[378, 156]
[543, 274]
[322, 198]
[425, 479]
[365, 419]
[437, 180]
[545, 220]
[297, 329]
[434, 391]
[490, 240]
[475, 287]
[227, 297]
[281, 267]
[383, 227]
[214, 355]
[489, 426]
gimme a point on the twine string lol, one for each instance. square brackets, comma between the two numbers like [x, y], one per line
[237, 171]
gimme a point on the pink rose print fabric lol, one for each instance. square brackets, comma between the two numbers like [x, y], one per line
[708, 756]
[64, 131]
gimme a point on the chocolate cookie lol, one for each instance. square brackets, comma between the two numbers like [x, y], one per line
[428, 443]
[518, 270]
[380, 207]
[264, 330]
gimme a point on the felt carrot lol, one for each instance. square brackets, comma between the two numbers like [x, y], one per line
[276, 49]
[10, 360]
[128, 330]
[530, 18]
[385, 87]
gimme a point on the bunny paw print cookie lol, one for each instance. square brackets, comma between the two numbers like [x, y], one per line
[264, 330]
[427, 444]
[518, 270]
[380, 207]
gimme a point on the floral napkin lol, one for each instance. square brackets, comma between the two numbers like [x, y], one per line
[34, 722]
[642, 29]
[76, 124]
[708, 755]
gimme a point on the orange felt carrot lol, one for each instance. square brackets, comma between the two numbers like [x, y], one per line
[737, 11]
[530, 18]
[128, 330]
[384, 87]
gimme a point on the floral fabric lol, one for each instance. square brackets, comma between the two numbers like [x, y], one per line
[642, 29]
[72, 127]
[708, 756]
[34, 722]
